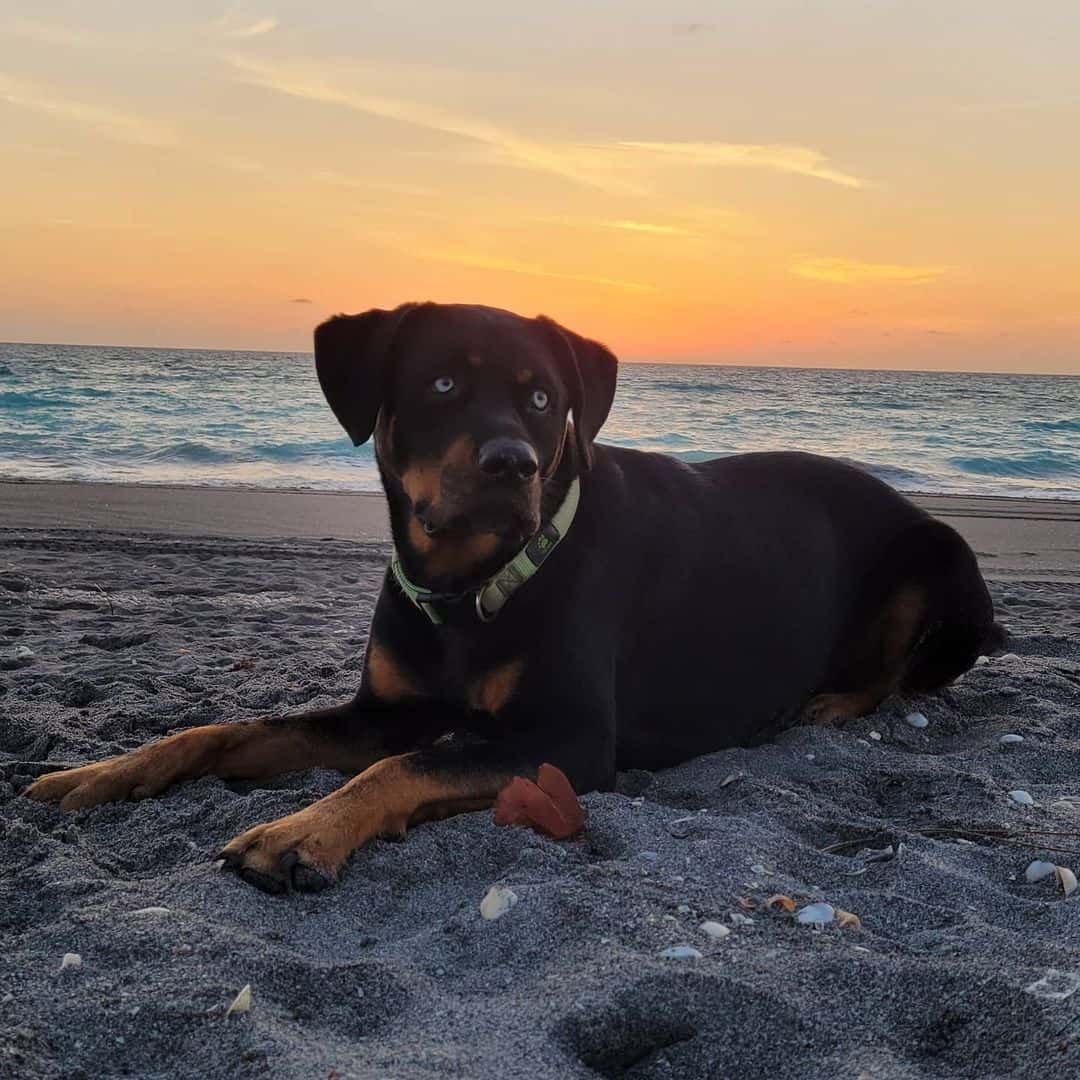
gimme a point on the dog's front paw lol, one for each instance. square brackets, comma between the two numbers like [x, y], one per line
[295, 853]
[90, 785]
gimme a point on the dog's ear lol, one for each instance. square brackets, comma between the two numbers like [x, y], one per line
[351, 353]
[589, 371]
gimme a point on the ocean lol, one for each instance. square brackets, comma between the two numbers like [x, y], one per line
[178, 416]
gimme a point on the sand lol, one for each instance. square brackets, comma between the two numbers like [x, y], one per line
[149, 613]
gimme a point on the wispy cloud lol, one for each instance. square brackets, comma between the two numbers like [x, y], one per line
[513, 148]
[231, 27]
[51, 33]
[513, 266]
[774, 156]
[853, 272]
[647, 227]
[616, 167]
[301, 300]
[122, 127]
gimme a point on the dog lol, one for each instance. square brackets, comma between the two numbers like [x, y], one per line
[552, 599]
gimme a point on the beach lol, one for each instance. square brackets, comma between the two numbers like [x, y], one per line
[128, 611]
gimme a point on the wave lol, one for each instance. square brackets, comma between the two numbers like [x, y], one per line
[28, 399]
[1052, 425]
[1035, 466]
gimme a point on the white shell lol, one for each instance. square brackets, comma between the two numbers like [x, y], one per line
[22, 651]
[1066, 879]
[1038, 870]
[71, 960]
[916, 720]
[876, 736]
[680, 952]
[498, 902]
[241, 1003]
[1055, 985]
[1023, 798]
[739, 919]
[980, 660]
[151, 911]
[816, 914]
[715, 930]
[1011, 740]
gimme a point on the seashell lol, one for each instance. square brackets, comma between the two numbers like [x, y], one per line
[885, 854]
[1021, 798]
[1038, 870]
[758, 869]
[715, 930]
[816, 914]
[71, 960]
[682, 827]
[241, 1003]
[737, 918]
[980, 660]
[847, 918]
[680, 952]
[916, 720]
[498, 901]
[731, 778]
[875, 735]
[1011, 740]
[1008, 657]
[1066, 879]
[22, 652]
[780, 901]
[151, 911]
[1055, 985]
[747, 903]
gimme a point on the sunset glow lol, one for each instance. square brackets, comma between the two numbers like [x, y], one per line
[849, 184]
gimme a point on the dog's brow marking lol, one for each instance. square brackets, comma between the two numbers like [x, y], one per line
[492, 691]
[524, 375]
[387, 680]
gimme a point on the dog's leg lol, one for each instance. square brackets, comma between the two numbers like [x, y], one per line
[307, 850]
[348, 738]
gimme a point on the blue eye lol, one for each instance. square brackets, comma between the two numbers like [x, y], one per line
[443, 384]
[539, 400]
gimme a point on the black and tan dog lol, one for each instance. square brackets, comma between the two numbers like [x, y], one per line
[556, 600]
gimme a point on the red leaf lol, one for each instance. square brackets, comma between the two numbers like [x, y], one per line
[549, 806]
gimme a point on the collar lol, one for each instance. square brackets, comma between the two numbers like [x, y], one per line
[493, 594]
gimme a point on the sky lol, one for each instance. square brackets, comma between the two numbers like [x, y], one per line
[851, 183]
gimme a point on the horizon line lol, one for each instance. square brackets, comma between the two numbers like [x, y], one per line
[621, 359]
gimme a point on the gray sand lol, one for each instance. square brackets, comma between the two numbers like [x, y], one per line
[394, 974]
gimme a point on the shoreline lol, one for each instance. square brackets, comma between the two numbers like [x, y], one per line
[1036, 539]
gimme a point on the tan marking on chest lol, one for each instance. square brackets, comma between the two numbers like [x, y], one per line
[491, 692]
[388, 680]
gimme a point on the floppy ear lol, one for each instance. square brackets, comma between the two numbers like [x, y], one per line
[350, 358]
[589, 370]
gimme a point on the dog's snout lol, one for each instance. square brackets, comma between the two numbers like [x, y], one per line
[508, 459]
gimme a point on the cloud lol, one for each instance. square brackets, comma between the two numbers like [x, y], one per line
[122, 127]
[853, 272]
[301, 300]
[230, 29]
[514, 149]
[512, 266]
[774, 156]
[615, 167]
[647, 227]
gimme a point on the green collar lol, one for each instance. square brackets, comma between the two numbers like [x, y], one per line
[492, 596]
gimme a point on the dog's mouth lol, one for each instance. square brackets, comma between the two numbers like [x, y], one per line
[512, 523]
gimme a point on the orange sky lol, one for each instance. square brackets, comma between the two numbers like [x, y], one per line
[854, 183]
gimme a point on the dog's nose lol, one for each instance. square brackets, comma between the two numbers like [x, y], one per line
[508, 459]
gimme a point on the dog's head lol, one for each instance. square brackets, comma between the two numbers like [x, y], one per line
[474, 410]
